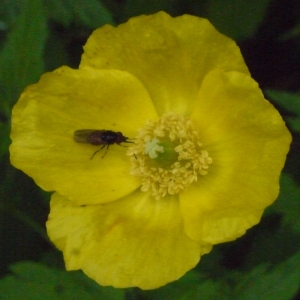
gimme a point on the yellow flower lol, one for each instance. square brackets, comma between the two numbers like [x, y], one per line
[207, 154]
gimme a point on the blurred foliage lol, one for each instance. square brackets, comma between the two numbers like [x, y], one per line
[35, 282]
[38, 36]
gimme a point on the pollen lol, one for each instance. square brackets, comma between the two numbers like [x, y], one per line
[168, 156]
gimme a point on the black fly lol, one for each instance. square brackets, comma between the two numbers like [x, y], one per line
[100, 137]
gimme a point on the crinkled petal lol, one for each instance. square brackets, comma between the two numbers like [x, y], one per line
[248, 141]
[169, 55]
[66, 100]
[135, 241]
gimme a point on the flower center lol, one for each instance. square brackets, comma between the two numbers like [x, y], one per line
[167, 155]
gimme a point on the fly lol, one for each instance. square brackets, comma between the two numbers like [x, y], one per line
[100, 137]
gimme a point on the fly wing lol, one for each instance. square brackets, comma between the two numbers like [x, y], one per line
[83, 135]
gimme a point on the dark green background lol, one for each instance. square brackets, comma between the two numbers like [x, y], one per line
[38, 36]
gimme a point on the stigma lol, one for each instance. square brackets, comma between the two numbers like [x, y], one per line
[152, 148]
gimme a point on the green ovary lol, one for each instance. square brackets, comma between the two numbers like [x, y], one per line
[168, 157]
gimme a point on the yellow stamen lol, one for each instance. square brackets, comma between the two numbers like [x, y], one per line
[168, 156]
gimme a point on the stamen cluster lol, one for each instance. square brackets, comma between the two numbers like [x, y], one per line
[176, 166]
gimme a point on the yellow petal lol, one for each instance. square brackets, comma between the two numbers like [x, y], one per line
[46, 116]
[248, 141]
[169, 55]
[135, 241]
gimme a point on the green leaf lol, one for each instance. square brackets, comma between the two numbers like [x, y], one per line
[191, 286]
[138, 7]
[21, 59]
[59, 11]
[208, 290]
[4, 140]
[238, 19]
[291, 103]
[56, 52]
[8, 12]
[33, 281]
[280, 282]
[174, 290]
[288, 202]
[92, 13]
